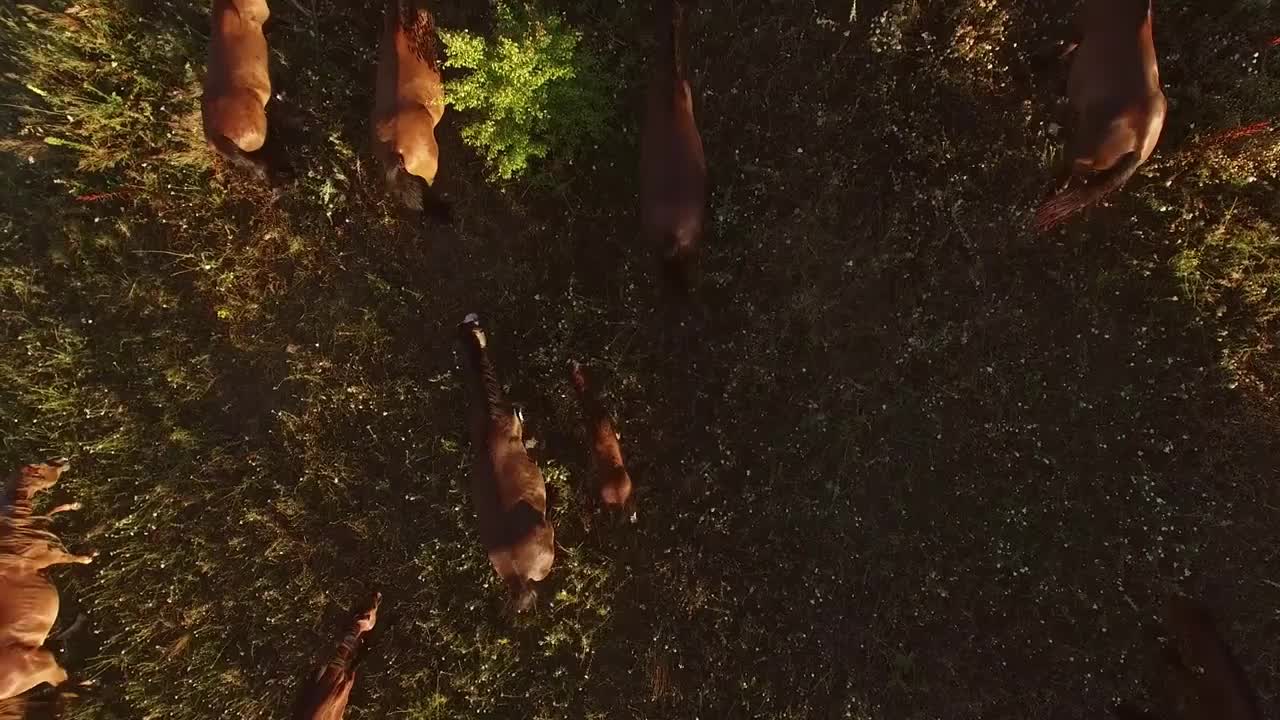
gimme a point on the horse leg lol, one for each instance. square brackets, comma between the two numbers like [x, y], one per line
[63, 634]
[23, 668]
[53, 556]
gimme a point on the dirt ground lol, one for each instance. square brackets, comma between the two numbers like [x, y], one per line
[913, 462]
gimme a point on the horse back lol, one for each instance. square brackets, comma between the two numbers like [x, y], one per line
[1114, 85]
[517, 478]
[238, 57]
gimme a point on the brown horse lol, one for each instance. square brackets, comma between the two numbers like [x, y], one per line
[1118, 107]
[409, 103]
[673, 171]
[324, 695]
[237, 86]
[613, 483]
[28, 601]
[1204, 668]
[507, 488]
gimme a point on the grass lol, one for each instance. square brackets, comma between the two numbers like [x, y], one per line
[917, 461]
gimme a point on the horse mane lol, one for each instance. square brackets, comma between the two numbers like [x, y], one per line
[17, 535]
[419, 27]
[669, 16]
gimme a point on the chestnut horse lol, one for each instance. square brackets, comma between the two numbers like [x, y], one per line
[324, 695]
[409, 103]
[1118, 107]
[28, 601]
[673, 171]
[507, 488]
[237, 86]
[1204, 668]
[613, 483]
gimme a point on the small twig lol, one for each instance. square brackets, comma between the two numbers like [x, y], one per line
[305, 12]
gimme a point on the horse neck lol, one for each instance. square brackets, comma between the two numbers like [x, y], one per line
[345, 654]
[487, 389]
[669, 29]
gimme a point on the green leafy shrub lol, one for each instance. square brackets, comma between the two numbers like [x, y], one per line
[535, 89]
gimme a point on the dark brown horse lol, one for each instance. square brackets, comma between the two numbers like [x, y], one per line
[673, 171]
[1117, 105]
[237, 85]
[613, 483]
[409, 103]
[325, 693]
[1204, 668]
[507, 488]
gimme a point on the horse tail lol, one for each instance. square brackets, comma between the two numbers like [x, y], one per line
[521, 595]
[412, 192]
[679, 269]
[254, 163]
[1068, 202]
[405, 187]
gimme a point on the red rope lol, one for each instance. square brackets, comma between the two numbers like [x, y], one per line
[95, 197]
[1237, 133]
